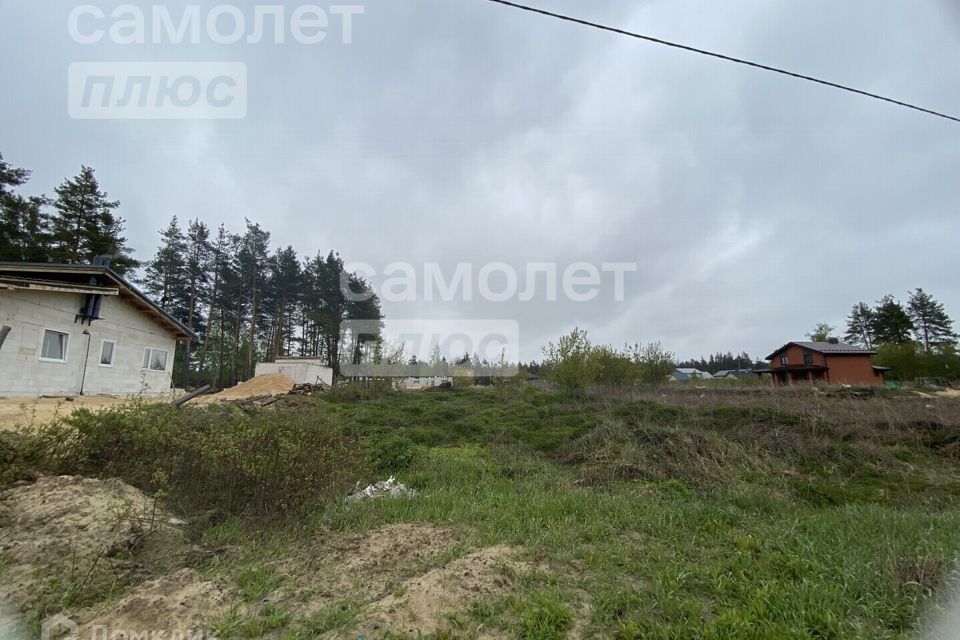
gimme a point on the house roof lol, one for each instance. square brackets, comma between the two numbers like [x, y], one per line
[693, 372]
[833, 348]
[75, 278]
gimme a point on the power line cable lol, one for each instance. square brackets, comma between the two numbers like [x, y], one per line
[713, 54]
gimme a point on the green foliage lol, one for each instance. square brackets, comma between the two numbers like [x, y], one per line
[889, 323]
[654, 363]
[268, 463]
[86, 225]
[932, 325]
[910, 361]
[391, 452]
[860, 325]
[571, 363]
[821, 333]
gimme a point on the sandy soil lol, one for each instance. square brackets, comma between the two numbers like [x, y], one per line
[92, 531]
[422, 604]
[181, 603]
[27, 412]
[408, 578]
[271, 384]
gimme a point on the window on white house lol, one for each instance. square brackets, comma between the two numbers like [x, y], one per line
[54, 346]
[107, 349]
[154, 359]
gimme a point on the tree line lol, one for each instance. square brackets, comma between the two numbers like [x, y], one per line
[915, 339]
[248, 303]
[80, 223]
[245, 301]
[723, 362]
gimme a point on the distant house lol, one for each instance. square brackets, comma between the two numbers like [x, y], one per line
[734, 374]
[71, 329]
[415, 383]
[686, 375]
[831, 362]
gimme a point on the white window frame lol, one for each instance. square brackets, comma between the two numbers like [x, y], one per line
[113, 353]
[166, 360]
[66, 346]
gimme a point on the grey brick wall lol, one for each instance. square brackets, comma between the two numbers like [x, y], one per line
[29, 313]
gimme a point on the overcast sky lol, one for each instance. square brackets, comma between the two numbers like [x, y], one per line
[463, 131]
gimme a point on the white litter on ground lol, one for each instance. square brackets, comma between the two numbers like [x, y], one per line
[389, 488]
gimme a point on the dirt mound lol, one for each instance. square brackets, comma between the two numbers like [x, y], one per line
[76, 529]
[270, 384]
[422, 605]
[364, 566]
[180, 603]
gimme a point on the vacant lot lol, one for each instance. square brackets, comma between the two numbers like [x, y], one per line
[681, 513]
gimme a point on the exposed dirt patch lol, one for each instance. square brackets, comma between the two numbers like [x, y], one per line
[82, 530]
[421, 605]
[180, 603]
[32, 412]
[271, 384]
[365, 566]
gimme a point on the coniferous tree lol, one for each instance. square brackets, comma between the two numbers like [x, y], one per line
[165, 277]
[860, 325]
[86, 226]
[931, 324]
[24, 223]
[281, 300]
[254, 251]
[197, 273]
[222, 264]
[889, 323]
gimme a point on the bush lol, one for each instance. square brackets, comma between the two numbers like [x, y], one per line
[270, 462]
[391, 452]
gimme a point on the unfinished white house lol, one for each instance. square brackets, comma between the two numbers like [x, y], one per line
[81, 329]
[300, 370]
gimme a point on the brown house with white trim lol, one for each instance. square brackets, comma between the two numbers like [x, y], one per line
[831, 362]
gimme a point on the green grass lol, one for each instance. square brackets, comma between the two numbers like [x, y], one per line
[658, 560]
[641, 519]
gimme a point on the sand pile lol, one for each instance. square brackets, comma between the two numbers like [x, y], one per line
[422, 605]
[270, 384]
[181, 604]
[77, 528]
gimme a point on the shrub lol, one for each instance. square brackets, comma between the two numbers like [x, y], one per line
[269, 462]
[391, 452]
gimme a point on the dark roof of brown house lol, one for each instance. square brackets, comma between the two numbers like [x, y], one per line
[832, 348]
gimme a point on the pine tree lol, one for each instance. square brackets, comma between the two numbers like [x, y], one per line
[932, 325]
[281, 300]
[254, 251]
[860, 325]
[24, 224]
[890, 324]
[165, 277]
[85, 225]
[197, 273]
